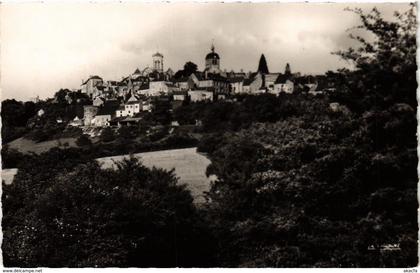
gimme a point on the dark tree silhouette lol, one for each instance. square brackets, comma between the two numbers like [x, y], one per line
[189, 68]
[262, 66]
[287, 70]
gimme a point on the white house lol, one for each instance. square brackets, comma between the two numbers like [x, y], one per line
[157, 88]
[133, 107]
[180, 95]
[120, 112]
[101, 120]
[129, 109]
[236, 85]
[104, 113]
[76, 122]
[283, 84]
[98, 101]
[200, 95]
[270, 80]
[254, 84]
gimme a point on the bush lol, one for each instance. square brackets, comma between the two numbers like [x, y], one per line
[180, 141]
[127, 132]
[158, 134]
[83, 140]
[107, 134]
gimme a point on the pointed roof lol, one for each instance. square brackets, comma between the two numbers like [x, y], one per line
[132, 97]
[248, 81]
[157, 54]
[137, 71]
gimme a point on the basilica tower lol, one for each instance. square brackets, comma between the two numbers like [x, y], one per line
[213, 62]
[158, 62]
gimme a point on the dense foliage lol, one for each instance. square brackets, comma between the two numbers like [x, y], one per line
[83, 215]
[23, 119]
[189, 68]
[231, 116]
[14, 116]
[328, 188]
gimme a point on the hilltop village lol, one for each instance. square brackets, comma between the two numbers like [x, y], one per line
[123, 102]
[158, 108]
[218, 169]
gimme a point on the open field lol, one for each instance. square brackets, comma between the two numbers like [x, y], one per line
[24, 145]
[7, 175]
[189, 166]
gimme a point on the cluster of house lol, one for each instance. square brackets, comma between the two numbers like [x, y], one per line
[139, 89]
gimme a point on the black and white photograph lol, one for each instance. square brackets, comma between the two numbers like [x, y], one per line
[208, 135]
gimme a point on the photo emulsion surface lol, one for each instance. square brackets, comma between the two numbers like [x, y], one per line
[209, 135]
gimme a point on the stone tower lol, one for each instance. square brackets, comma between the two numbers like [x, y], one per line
[89, 112]
[158, 62]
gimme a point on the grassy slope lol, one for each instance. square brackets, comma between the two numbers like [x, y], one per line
[24, 145]
[189, 166]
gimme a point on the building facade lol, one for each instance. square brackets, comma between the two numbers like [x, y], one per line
[90, 86]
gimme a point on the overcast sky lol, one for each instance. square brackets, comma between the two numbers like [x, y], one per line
[45, 47]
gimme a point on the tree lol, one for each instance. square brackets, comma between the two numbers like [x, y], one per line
[189, 68]
[83, 140]
[262, 65]
[129, 216]
[126, 132]
[107, 134]
[385, 67]
[161, 112]
[60, 96]
[179, 74]
[287, 70]
[15, 116]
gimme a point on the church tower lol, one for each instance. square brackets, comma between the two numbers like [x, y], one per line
[158, 62]
[213, 62]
